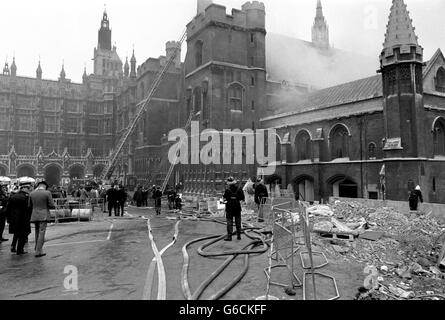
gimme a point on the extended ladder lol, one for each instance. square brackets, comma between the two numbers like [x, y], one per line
[173, 164]
[109, 169]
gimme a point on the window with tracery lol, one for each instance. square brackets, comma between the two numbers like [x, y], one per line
[439, 137]
[303, 146]
[339, 142]
[236, 97]
[440, 80]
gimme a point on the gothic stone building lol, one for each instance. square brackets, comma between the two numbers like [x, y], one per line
[376, 137]
[55, 130]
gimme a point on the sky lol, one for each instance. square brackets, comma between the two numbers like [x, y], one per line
[61, 31]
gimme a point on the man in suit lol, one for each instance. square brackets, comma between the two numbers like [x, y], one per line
[41, 202]
[157, 196]
[3, 202]
[19, 215]
[111, 199]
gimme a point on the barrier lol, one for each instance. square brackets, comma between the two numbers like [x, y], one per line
[71, 210]
[291, 232]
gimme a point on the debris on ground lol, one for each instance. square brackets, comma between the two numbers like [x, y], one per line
[404, 248]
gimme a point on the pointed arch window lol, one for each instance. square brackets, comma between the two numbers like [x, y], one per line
[303, 146]
[197, 100]
[236, 97]
[198, 53]
[371, 151]
[440, 80]
[439, 137]
[339, 139]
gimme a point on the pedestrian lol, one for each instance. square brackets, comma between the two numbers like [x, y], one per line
[63, 193]
[138, 197]
[42, 203]
[3, 204]
[19, 212]
[178, 202]
[145, 197]
[103, 197]
[122, 199]
[414, 198]
[111, 199]
[152, 192]
[83, 195]
[232, 198]
[171, 196]
[261, 196]
[157, 196]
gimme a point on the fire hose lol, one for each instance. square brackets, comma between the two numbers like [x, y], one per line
[257, 240]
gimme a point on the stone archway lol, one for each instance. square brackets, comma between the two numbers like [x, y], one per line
[304, 188]
[26, 170]
[53, 175]
[98, 169]
[343, 187]
[3, 171]
[77, 171]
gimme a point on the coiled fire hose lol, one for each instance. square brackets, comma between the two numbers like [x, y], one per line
[257, 240]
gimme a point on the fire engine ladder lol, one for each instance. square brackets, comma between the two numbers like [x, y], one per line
[173, 164]
[109, 169]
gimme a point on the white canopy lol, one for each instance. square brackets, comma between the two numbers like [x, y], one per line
[5, 180]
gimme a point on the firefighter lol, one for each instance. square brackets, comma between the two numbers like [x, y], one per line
[232, 198]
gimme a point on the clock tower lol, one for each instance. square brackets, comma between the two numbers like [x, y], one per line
[107, 64]
[105, 33]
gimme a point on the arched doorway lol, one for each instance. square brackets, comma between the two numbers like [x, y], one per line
[344, 187]
[77, 172]
[304, 188]
[53, 175]
[26, 170]
[97, 170]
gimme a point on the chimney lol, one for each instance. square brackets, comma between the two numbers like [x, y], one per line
[202, 5]
[170, 48]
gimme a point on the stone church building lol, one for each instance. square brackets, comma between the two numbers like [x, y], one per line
[352, 132]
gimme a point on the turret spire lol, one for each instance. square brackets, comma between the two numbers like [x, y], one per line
[62, 73]
[133, 66]
[400, 33]
[39, 71]
[84, 76]
[400, 30]
[126, 68]
[320, 29]
[13, 68]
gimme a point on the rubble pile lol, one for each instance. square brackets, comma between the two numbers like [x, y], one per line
[403, 249]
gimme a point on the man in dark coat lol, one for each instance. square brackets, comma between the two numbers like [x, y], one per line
[3, 203]
[144, 197]
[122, 199]
[261, 196]
[171, 196]
[157, 196]
[414, 198]
[111, 199]
[233, 196]
[19, 217]
[41, 202]
[138, 197]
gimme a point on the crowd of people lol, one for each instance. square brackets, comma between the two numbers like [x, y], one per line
[27, 204]
[174, 198]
